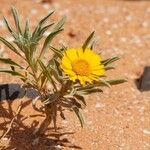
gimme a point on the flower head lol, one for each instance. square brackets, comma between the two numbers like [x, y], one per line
[84, 66]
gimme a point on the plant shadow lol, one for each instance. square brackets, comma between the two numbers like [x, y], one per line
[21, 137]
[13, 91]
[24, 140]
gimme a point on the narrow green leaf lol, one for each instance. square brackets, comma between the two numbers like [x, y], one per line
[47, 73]
[9, 61]
[109, 68]
[88, 41]
[75, 102]
[56, 75]
[81, 98]
[16, 19]
[60, 24]
[104, 82]
[41, 32]
[14, 73]
[109, 61]
[7, 25]
[56, 51]
[45, 18]
[111, 82]
[57, 66]
[26, 30]
[90, 91]
[37, 31]
[114, 82]
[85, 87]
[48, 41]
[79, 115]
[10, 46]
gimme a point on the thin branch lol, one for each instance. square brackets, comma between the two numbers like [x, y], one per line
[12, 121]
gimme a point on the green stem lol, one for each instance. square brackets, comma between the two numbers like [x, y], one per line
[47, 121]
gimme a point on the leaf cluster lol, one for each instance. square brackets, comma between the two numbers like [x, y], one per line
[38, 74]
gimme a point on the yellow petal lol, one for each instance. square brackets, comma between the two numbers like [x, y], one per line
[81, 79]
[69, 72]
[86, 79]
[93, 77]
[93, 58]
[80, 53]
[73, 78]
[72, 54]
[98, 72]
[66, 63]
[98, 67]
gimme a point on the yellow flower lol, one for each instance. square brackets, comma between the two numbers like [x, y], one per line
[84, 66]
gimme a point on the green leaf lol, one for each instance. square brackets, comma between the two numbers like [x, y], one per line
[9, 61]
[81, 98]
[104, 82]
[41, 32]
[10, 46]
[57, 66]
[90, 91]
[111, 82]
[88, 41]
[109, 61]
[37, 31]
[60, 24]
[45, 18]
[47, 73]
[114, 82]
[56, 51]
[26, 30]
[48, 41]
[79, 115]
[75, 103]
[80, 88]
[8, 26]
[16, 19]
[14, 73]
[109, 68]
[56, 75]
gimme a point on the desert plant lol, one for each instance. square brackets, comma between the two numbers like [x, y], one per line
[72, 73]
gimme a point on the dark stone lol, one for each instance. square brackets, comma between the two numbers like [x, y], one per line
[145, 80]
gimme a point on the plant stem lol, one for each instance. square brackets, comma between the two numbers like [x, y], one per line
[47, 121]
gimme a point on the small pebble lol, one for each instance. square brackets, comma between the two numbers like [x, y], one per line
[2, 24]
[129, 18]
[123, 39]
[108, 32]
[146, 131]
[148, 10]
[114, 26]
[34, 11]
[145, 24]
[98, 105]
[106, 20]
[46, 6]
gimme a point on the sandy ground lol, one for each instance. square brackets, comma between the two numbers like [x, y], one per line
[117, 120]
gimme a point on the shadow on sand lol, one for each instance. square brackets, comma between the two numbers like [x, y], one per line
[20, 137]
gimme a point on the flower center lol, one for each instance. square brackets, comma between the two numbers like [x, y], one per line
[81, 67]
